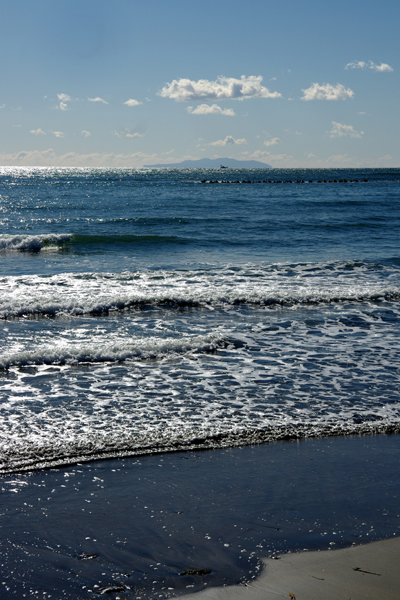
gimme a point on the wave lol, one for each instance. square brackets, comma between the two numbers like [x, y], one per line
[29, 456]
[274, 285]
[117, 351]
[32, 242]
[98, 305]
[35, 243]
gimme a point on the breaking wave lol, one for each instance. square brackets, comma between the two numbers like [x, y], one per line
[71, 296]
[32, 242]
[117, 351]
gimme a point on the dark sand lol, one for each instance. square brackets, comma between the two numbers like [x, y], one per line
[131, 526]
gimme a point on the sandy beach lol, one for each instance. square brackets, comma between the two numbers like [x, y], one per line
[358, 573]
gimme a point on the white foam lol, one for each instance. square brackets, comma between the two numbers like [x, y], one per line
[296, 371]
[75, 294]
[118, 350]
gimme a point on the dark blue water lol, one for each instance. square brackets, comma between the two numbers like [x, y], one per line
[122, 219]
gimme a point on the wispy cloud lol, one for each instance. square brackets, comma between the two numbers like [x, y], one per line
[214, 109]
[37, 131]
[58, 134]
[340, 130]
[128, 133]
[63, 98]
[73, 159]
[86, 133]
[98, 99]
[2, 106]
[224, 88]
[229, 141]
[326, 91]
[272, 142]
[132, 102]
[284, 159]
[361, 64]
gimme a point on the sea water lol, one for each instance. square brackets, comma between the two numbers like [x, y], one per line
[151, 310]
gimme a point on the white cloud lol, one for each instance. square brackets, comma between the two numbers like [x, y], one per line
[58, 134]
[224, 88]
[37, 131]
[132, 102]
[64, 98]
[128, 134]
[2, 106]
[229, 141]
[272, 142]
[361, 64]
[339, 130]
[381, 68]
[86, 133]
[214, 109]
[326, 91]
[98, 99]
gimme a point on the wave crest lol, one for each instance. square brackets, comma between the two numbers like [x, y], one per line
[118, 351]
[32, 242]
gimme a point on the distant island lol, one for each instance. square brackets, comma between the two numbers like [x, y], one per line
[213, 163]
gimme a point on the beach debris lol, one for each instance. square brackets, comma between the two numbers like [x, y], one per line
[199, 572]
[292, 596]
[368, 572]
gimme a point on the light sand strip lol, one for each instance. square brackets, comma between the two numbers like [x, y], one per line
[371, 571]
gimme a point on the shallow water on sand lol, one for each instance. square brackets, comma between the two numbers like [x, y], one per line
[138, 524]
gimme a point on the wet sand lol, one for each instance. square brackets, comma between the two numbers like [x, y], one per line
[358, 573]
[170, 524]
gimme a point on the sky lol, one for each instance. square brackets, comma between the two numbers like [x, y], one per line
[127, 83]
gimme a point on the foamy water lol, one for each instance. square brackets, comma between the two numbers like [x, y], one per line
[192, 321]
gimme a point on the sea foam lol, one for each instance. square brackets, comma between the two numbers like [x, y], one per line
[102, 293]
[118, 350]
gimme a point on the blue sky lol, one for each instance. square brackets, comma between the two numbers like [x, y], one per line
[131, 82]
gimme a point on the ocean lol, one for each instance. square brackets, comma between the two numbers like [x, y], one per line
[146, 310]
[151, 311]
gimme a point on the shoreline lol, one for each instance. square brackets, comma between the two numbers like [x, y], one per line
[144, 524]
[214, 441]
[365, 572]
